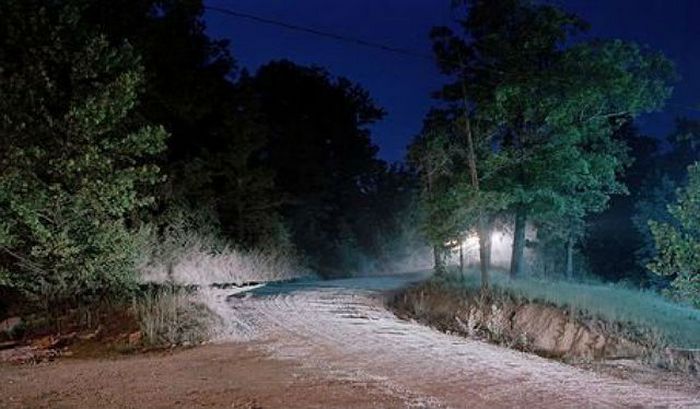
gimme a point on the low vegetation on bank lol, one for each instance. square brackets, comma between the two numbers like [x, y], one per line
[678, 324]
[162, 300]
[173, 316]
[571, 321]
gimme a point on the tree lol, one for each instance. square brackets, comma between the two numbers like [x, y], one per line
[218, 133]
[451, 168]
[321, 153]
[601, 85]
[612, 235]
[658, 189]
[386, 222]
[281, 156]
[75, 163]
[678, 242]
[655, 195]
[432, 154]
[554, 106]
[504, 42]
[188, 76]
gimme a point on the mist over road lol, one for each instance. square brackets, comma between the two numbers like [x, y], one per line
[340, 329]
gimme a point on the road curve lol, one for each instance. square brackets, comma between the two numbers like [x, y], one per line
[341, 329]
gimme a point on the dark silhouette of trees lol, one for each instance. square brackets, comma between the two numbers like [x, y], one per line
[324, 161]
[282, 159]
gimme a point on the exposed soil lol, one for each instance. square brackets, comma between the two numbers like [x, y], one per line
[333, 344]
[115, 333]
[222, 376]
[529, 326]
[534, 326]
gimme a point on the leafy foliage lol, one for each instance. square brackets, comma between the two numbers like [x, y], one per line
[551, 107]
[283, 156]
[678, 243]
[449, 201]
[74, 163]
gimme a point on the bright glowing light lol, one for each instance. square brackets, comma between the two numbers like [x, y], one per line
[497, 236]
[451, 243]
[471, 241]
[501, 245]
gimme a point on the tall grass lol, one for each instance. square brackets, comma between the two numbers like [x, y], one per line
[186, 257]
[678, 324]
[188, 253]
[172, 316]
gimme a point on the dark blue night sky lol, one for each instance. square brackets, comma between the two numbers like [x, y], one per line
[402, 84]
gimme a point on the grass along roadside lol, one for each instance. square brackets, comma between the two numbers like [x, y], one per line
[175, 300]
[521, 316]
[678, 324]
[173, 316]
[180, 272]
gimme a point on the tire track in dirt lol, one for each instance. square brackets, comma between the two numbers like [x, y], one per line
[340, 328]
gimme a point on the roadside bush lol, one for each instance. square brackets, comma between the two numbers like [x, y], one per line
[74, 162]
[172, 316]
[186, 252]
[678, 243]
[185, 256]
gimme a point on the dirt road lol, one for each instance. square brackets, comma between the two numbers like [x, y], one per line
[331, 344]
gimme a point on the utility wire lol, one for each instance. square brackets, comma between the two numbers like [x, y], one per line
[685, 107]
[320, 33]
[352, 40]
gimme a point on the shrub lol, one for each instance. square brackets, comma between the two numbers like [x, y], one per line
[188, 257]
[172, 316]
[74, 162]
[678, 243]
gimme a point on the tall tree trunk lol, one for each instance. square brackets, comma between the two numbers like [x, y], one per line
[439, 263]
[484, 250]
[483, 229]
[517, 261]
[461, 259]
[439, 266]
[570, 258]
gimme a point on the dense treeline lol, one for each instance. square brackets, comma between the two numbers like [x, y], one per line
[120, 118]
[625, 242]
[78, 165]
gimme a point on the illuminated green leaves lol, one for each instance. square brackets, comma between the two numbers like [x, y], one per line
[678, 243]
[76, 162]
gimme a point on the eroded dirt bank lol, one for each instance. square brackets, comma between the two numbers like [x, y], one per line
[334, 344]
[506, 319]
[530, 326]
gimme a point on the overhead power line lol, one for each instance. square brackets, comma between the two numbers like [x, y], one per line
[319, 33]
[349, 39]
[685, 107]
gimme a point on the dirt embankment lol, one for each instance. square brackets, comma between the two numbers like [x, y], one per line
[544, 329]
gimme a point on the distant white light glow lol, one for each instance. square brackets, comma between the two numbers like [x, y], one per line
[471, 241]
[501, 245]
[498, 236]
